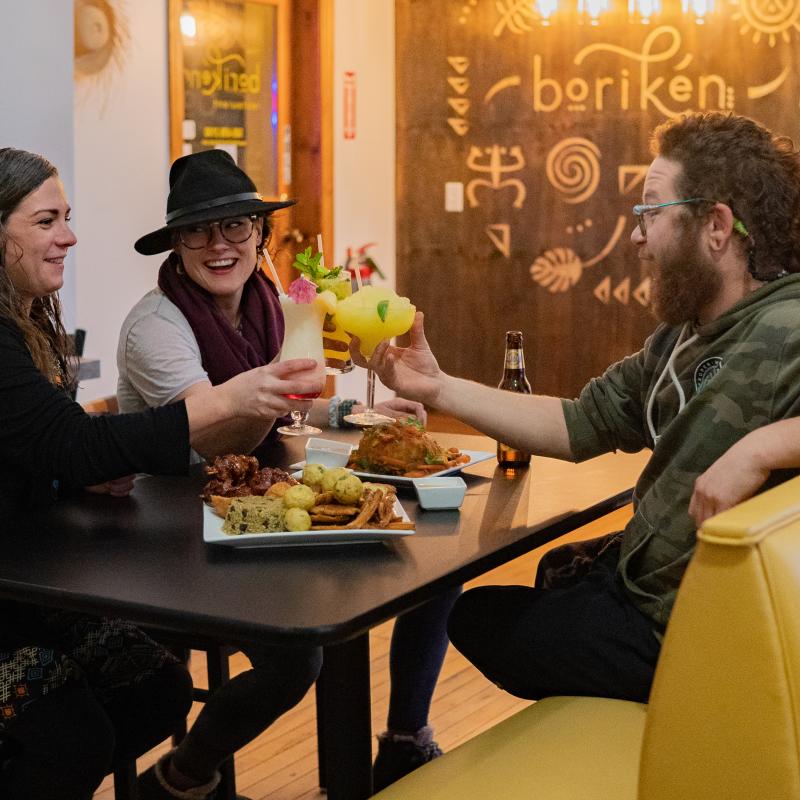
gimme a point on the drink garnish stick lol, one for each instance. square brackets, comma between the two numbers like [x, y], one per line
[358, 275]
[274, 272]
[321, 253]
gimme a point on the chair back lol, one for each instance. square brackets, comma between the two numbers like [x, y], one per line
[724, 711]
[77, 341]
[102, 405]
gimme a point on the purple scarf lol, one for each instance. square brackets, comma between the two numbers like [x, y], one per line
[224, 351]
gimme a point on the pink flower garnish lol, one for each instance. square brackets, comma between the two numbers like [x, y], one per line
[302, 290]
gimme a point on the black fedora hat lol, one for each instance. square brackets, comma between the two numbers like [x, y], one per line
[203, 187]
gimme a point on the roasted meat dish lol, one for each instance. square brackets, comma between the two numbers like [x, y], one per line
[402, 448]
[239, 476]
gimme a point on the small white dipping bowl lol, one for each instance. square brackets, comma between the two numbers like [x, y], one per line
[446, 492]
[328, 452]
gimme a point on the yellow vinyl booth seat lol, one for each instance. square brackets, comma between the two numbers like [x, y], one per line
[722, 722]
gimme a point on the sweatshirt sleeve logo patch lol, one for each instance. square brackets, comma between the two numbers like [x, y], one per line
[705, 371]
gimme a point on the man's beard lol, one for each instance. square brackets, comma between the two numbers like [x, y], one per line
[685, 281]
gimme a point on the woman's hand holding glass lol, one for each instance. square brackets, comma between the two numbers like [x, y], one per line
[301, 405]
[264, 392]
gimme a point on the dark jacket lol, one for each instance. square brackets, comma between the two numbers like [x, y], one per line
[49, 444]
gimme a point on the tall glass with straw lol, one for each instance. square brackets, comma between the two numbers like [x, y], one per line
[303, 314]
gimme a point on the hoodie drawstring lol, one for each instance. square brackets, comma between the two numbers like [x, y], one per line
[680, 345]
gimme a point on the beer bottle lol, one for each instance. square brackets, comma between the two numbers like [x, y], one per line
[514, 380]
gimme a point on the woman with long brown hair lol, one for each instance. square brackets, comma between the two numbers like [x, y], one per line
[76, 691]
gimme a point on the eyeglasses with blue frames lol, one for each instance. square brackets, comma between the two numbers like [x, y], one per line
[233, 229]
[639, 212]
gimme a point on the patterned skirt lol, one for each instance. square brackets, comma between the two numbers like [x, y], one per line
[110, 654]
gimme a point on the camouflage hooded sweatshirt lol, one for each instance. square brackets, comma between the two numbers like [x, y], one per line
[689, 394]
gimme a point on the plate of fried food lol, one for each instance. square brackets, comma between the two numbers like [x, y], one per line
[247, 506]
[402, 451]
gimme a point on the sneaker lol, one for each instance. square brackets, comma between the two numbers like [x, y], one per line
[399, 754]
[152, 785]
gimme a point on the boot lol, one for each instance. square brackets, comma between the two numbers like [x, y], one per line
[401, 753]
[152, 784]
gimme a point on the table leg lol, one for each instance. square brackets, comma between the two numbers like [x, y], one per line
[319, 691]
[344, 725]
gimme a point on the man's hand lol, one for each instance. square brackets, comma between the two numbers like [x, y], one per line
[119, 487]
[409, 371]
[733, 477]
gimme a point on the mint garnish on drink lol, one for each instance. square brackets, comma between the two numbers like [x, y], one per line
[309, 265]
[383, 309]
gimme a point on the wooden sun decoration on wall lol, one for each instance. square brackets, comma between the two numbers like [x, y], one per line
[102, 38]
[768, 18]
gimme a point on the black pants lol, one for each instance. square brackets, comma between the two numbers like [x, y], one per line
[246, 705]
[586, 638]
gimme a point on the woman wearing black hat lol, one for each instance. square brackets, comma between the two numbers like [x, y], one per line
[213, 314]
[77, 691]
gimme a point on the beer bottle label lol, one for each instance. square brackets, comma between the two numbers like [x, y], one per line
[514, 359]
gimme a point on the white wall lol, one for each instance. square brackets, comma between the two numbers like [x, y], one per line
[36, 95]
[121, 166]
[364, 167]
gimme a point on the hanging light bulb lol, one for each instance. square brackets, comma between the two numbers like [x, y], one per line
[546, 9]
[593, 9]
[644, 9]
[699, 8]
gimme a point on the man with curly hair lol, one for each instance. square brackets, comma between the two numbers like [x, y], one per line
[719, 231]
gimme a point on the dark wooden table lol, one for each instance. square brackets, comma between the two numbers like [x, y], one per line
[143, 558]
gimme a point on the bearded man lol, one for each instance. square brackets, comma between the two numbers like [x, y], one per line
[719, 230]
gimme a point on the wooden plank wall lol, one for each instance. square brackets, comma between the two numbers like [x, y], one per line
[545, 128]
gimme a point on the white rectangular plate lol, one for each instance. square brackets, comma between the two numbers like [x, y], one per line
[475, 457]
[213, 534]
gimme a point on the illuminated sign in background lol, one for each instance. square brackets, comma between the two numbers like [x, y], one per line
[227, 75]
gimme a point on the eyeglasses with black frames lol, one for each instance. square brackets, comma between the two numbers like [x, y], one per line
[233, 229]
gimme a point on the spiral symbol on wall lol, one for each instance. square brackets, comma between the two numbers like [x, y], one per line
[573, 168]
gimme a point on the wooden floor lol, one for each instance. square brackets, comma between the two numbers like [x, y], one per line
[281, 763]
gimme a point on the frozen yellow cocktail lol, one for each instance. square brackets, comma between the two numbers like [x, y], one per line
[374, 313]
